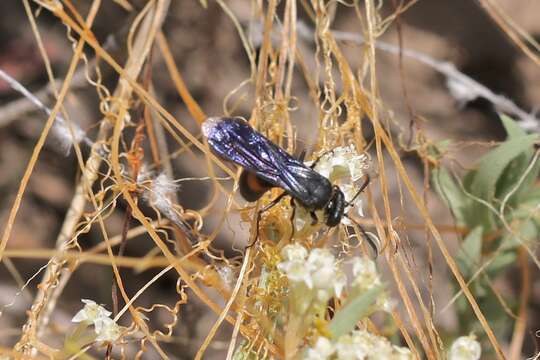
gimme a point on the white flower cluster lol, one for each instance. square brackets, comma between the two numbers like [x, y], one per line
[366, 277]
[318, 270]
[465, 348]
[343, 162]
[106, 328]
[358, 345]
[345, 166]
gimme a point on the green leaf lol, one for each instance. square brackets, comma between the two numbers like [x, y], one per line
[357, 308]
[495, 313]
[470, 252]
[527, 206]
[521, 163]
[491, 169]
[528, 232]
[526, 187]
[452, 194]
[501, 262]
[493, 164]
[512, 128]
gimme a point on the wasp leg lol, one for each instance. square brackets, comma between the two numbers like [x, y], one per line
[259, 213]
[366, 236]
[364, 185]
[292, 219]
[320, 157]
[369, 240]
[314, 218]
[302, 156]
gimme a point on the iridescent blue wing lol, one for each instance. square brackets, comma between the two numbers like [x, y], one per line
[235, 140]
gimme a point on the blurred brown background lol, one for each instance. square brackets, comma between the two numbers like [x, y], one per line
[210, 56]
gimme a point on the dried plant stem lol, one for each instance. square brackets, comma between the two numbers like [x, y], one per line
[137, 214]
[521, 322]
[102, 259]
[193, 108]
[440, 243]
[528, 121]
[400, 285]
[56, 276]
[429, 350]
[38, 147]
[172, 123]
[408, 340]
[240, 282]
[511, 29]
[31, 327]
[263, 58]
[428, 319]
[381, 136]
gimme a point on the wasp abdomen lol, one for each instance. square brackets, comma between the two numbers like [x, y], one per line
[252, 187]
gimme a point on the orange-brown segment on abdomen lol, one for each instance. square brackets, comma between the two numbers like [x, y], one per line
[252, 187]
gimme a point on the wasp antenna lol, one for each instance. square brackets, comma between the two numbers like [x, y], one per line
[320, 157]
[302, 156]
[366, 235]
[364, 185]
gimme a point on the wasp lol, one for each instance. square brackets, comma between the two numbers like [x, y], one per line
[266, 165]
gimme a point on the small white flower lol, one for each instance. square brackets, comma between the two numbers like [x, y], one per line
[366, 278]
[325, 273]
[321, 258]
[349, 349]
[107, 330]
[362, 266]
[297, 272]
[319, 271]
[343, 162]
[91, 312]
[361, 344]
[322, 265]
[385, 303]
[377, 347]
[401, 353]
[294, 252]
[345, 167]
[465, 348]
[322, 350]
[365, 273]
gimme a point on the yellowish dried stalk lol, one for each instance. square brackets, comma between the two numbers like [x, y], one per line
[56, 275]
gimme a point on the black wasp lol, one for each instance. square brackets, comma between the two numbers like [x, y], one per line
[266, 165]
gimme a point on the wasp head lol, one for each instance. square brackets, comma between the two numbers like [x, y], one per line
[335, 208]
